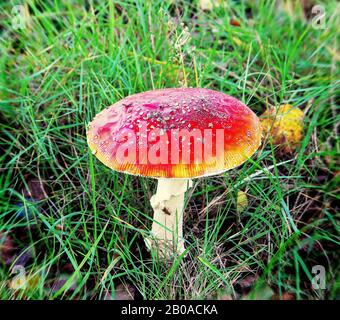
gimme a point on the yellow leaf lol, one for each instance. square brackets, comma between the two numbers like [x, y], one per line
[18, 283]
[209, 4]
[284, 125]
[242, 201]
[24, 282]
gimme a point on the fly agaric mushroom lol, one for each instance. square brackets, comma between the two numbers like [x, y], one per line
[174, 135]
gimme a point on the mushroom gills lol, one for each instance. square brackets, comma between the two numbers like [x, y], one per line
[166, 235]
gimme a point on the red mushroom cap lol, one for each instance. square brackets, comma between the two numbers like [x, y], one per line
[175, 133]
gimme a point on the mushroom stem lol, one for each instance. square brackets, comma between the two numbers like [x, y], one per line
[167, 226]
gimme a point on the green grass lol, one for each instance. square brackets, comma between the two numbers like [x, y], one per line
[74, 58]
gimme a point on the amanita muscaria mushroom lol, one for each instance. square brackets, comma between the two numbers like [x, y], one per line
[174, 135]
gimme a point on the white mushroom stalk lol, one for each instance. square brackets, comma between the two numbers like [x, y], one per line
[167, 228]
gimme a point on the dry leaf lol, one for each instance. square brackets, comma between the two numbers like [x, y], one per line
[18, 282]
[24, 282]
[284, 126]
[209, 4]
[242, 201]
[234, 22]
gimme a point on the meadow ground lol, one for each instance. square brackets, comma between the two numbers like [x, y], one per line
[72, 228]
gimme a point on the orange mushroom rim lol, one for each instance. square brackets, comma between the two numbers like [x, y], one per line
[175, 133]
